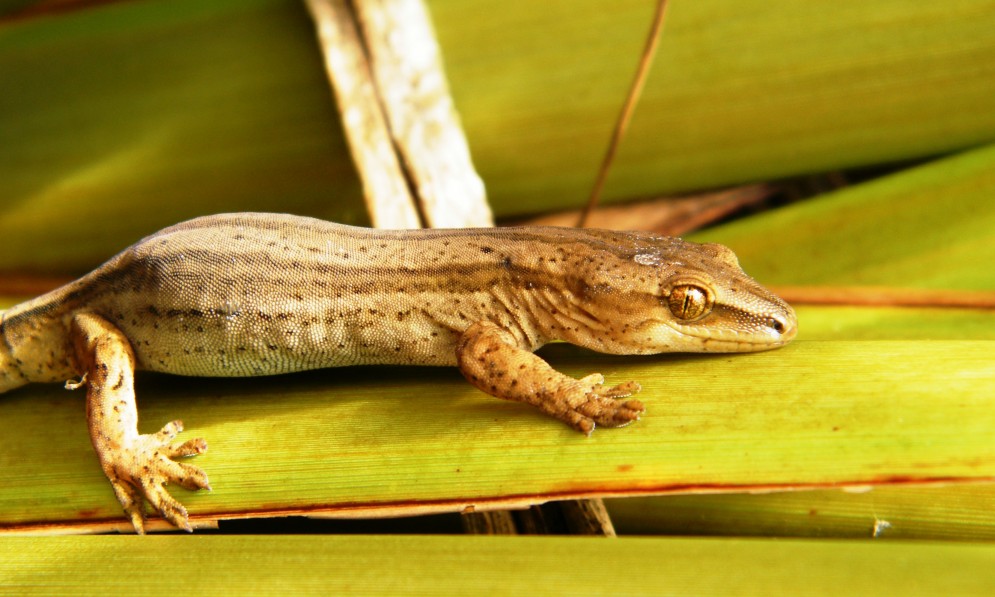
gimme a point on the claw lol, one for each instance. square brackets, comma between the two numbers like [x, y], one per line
[594, 379]
[131, 500]
[169, 431]
[622, 390]
[171, 510]
[188, 448]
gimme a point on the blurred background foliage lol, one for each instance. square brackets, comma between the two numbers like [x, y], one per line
[119, 118]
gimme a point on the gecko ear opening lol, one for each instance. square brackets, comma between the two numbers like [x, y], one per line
[689, 302]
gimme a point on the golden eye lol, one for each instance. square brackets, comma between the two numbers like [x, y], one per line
[688, 302]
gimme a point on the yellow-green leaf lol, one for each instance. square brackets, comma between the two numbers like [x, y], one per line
[194, 107]
[740, 90]
[440, 565]
[954, 512]
[370, 441]
[928, 227]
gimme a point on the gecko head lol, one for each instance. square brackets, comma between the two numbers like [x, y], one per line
[707, 303]
[663, 294]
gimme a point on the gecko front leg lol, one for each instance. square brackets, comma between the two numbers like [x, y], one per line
[138, 466]
[491, 360]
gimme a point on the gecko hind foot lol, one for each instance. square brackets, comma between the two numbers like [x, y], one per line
[140, 471]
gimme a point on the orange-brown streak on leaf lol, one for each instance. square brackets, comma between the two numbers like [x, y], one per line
[48, 8]
[28, 285]
[374, 510]
[672, 216]
[885, 296]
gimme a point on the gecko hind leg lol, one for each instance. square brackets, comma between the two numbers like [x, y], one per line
[138, 466]
[491, 360]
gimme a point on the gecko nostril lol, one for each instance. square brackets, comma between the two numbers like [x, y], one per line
[778, 325]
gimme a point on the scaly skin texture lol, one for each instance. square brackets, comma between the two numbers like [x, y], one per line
[260, 294]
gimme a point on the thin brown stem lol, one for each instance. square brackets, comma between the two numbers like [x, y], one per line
[627, 109]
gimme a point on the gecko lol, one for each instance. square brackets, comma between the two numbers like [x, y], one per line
[252, 294]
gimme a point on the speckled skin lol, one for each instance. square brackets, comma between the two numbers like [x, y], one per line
[259, 294]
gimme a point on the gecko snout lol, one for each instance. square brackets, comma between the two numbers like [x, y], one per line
[784, 326]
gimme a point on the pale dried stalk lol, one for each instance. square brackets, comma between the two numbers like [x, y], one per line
[407, 67]
[385, 187]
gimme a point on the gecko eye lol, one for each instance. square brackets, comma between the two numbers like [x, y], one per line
[688, 302]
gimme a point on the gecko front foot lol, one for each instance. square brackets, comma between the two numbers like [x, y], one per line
[140, 469]
[490, 359]
[586, 402]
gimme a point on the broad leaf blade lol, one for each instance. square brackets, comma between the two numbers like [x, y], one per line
[236, 114]
[927, 227]
[953, 512]
[740, 91]
[441, 565]
[361, 441]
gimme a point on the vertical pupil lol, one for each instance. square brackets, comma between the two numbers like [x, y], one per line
[688, 302]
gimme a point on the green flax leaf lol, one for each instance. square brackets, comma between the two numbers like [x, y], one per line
[441, 565]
